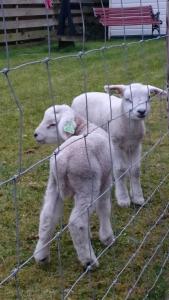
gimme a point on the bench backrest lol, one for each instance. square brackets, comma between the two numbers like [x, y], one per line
[123, 11]
[138, 15]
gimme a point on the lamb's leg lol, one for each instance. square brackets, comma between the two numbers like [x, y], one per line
[103, 208]
[120, 166]
[49, 216]
[79, 230]
[135, 185]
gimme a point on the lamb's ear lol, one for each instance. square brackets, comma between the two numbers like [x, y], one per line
[67, 125]
[117, 88]
[156, 91]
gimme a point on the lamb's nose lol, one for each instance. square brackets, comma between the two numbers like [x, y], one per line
[35, 134]
[141, 112]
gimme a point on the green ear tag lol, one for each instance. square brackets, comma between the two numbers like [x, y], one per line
[69, 127]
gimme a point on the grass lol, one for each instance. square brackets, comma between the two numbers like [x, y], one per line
[140, 62]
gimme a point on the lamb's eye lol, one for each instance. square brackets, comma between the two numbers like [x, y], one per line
[51, 125]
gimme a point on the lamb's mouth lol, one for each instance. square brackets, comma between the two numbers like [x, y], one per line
[141, 116]
[40, 141]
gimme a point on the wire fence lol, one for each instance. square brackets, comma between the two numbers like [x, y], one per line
[135, 264]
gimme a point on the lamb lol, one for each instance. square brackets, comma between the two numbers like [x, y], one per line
[80, 167]
[125, 122]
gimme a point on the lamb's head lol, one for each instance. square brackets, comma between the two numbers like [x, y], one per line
[58, 125]
[136, 98]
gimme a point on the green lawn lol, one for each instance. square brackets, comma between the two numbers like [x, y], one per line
[71, 75]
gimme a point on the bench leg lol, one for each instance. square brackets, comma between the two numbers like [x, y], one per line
[155, 27]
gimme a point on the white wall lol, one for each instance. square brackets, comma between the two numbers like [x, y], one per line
[138, 30]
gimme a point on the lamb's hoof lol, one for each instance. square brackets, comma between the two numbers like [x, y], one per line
[124, 203]
[138, 200]
[41, 254]
[45, 260]
[91, 264]
[108, 241]
[42, 261]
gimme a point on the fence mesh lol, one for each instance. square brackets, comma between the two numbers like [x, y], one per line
[135, 264]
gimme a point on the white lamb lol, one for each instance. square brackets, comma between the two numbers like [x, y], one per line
[126, 126]
[80, 167]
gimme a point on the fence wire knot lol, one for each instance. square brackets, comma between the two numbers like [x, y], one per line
[46, 59]
[5, 71]
[81, 53]
[14, 271]
[57, 235]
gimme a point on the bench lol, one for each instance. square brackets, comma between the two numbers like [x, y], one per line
[127, 16]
